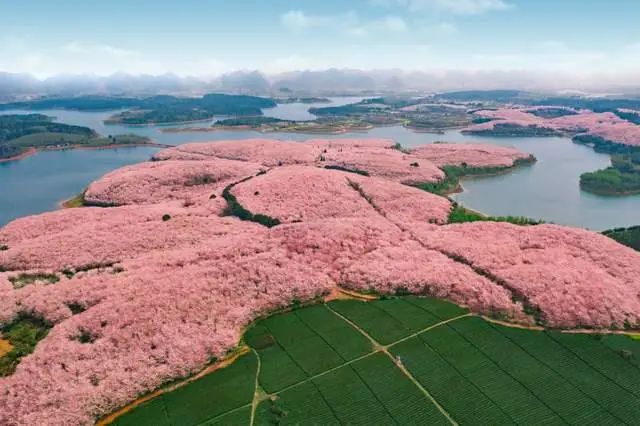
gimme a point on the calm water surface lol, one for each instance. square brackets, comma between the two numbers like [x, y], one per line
[547, 190]
[38, 183]
[300, 111]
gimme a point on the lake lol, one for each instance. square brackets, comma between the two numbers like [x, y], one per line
[39, 182]
[300, 111]
[546, 190]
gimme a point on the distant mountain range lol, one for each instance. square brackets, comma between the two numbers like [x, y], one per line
[306, 83]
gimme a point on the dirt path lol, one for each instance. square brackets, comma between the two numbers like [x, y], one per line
[511, 324]
[259, 397]
[339, 293]
[5, 347]
[256, 392]
[634, 334]
[398, 363]
[426, 393]
[431, 327]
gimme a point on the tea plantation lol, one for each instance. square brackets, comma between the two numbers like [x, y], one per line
[407, 360]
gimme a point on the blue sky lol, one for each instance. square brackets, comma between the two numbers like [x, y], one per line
[205, 38]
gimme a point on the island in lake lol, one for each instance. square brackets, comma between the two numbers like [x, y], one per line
[303, 100]
[419, 114]
[604, 131]
[170, 109]
[25, 134]
[608, 125]
[155, 109]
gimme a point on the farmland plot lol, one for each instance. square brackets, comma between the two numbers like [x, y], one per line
[203, 399]
[563, 397]
[407, 360]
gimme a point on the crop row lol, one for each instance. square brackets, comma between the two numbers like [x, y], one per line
[203, 399]
[369, 391]
[484, 373]
[390, 320]
[303, 343]
[319, 369]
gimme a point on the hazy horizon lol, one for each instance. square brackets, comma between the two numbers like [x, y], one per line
[498, 43]
[330, 82]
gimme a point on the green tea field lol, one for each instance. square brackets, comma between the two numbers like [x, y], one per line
[407, 360]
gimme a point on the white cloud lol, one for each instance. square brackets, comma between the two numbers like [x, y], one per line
[551, 46]
[445, 28]
[392, 23]
[357, 31]
[438, 29]
[388, 24]
[297, 20]
[460, 7]
[87, 48]
[84, 57]
[346, 23]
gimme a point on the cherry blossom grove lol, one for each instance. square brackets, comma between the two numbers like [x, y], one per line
[167, 279]
[378, 157]
[167, 180]
[606, 125]
[475, 155]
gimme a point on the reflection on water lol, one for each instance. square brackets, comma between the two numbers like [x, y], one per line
[548, 190]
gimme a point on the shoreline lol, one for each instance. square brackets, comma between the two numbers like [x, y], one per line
[469, 209]
[28, 153]
[438, 131]
[33, 151]
[246, 128]
[108, 122]
[526, 162]
[338, 131]
[614, 194]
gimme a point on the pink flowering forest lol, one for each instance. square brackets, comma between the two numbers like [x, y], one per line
[606, 125]
[168, 279]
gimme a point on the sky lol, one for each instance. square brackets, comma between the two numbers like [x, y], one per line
[207, 38]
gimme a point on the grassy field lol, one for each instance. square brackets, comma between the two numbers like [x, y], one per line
[628, 236]
[459, 214]
[47, 139]
[19, 338]
[408, 360]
